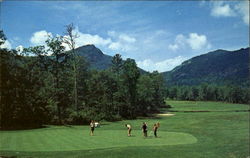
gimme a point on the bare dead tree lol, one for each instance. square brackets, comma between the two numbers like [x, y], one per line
[70, 39]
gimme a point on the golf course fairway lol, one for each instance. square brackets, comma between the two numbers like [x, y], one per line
[74, 138]
[223, 132]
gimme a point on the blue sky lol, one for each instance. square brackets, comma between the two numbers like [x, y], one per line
[159, 35]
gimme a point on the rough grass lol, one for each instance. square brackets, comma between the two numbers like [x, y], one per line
[218, 134]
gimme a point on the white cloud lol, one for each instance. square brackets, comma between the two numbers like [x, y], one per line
[84, 39]
[243, 10]
[39, 37]
[127, 38]
[173, 47]
[235, 9]
[161, 66]
[115, 46]
[121, 42]
[220, 9]
[19, 49]
[6, 45]
[180, 42]
[193, 41]
[197, 42]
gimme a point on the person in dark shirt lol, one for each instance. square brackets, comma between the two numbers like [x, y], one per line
[144, 129]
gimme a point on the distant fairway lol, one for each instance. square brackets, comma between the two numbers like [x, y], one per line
[68, 139]
[221, 133]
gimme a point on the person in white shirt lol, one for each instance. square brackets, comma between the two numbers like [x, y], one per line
[129, 129]
[92, 127]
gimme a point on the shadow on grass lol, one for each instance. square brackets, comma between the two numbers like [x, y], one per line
[17, 128]
[8, 156]
[209, 111]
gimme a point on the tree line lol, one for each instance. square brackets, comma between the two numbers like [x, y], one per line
[209, 92]
[49, 85]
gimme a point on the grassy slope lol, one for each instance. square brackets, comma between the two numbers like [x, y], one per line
[219, 134]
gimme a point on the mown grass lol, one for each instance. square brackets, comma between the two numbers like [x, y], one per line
[71, 138]
[218, 134]
[206, 106]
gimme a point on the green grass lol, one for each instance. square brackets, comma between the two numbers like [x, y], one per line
[71, 138]
[206, 106]
[189, 135]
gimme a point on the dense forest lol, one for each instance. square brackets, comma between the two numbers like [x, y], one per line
[48, 85]
[209, 92]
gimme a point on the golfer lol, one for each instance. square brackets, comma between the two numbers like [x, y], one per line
[129, 129]
[144, 129]
[92, 127]
[155, 127]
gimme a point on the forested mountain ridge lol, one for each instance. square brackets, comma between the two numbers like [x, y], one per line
[95, 57]
[219, 67]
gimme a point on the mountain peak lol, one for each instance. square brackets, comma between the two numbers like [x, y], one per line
[94, 56]
[220, 67]
[89, 49]
[89, 45]
[222, 50]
